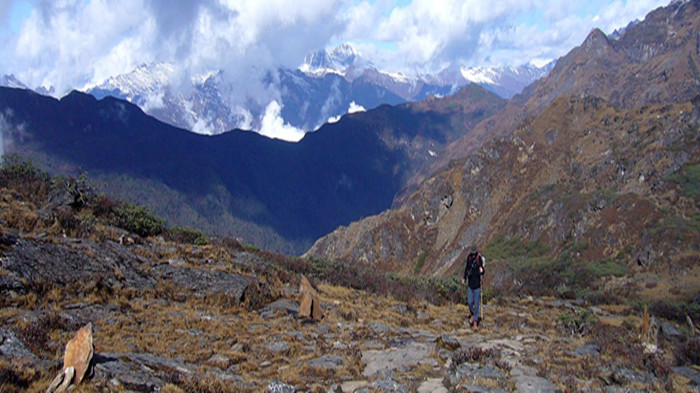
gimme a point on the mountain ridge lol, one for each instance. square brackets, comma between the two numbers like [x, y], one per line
[273, 193]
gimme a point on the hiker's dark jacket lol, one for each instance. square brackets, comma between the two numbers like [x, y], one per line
[471, 271]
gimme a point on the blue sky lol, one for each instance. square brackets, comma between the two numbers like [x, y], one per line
[14, 13]
[78, 43]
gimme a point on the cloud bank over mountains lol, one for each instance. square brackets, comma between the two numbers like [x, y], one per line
[71, 44]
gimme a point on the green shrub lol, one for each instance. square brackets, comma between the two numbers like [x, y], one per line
[420, 262]
[139, 220]
[688, 177]
[489, 294]
[187, 235]
[579, 321]
[14, 167]
[30, 182]
[688, 353]
[517, 253]
[403, 288]
[103, 206]
[678, 311]
[608, 267]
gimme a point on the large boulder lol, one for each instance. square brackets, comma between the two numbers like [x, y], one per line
[208, 283]
[79, 353]
[65, 262]
[309, 307]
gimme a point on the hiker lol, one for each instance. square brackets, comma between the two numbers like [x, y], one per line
[472, 275]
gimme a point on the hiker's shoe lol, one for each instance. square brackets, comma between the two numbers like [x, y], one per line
[471, 319]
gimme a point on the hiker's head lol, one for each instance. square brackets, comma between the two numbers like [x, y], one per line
[474, 249]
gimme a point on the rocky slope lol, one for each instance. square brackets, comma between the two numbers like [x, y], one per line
[573, 177]
[582, 187]
[171, 316]
[653, 62]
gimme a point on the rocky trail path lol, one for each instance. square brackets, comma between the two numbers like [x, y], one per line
[175, 318]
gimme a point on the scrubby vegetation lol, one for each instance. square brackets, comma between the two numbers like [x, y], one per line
[139, 220]
[688, 178]
[91, 208]
[94, 209]
[539, 273]
[435, 290]
[180, 234]
[577, 321]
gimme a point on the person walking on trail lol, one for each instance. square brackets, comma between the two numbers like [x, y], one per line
[472, 276]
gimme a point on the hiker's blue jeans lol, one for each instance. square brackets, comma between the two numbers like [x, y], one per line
[473, 296]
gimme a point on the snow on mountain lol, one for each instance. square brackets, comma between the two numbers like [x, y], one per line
[145, 86]
[338, 61]
[506, 81]
[480, 75]
[200, 107]
[324, 87]
[12, 81]
[145, 78]
[348, 63]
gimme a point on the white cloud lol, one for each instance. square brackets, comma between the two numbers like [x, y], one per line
[273, 126]
[354, 108]
[202, 126]
[74, 43]
[243, 117]
[427, 35]
[618, 13]
[153, 101]
[333, 100]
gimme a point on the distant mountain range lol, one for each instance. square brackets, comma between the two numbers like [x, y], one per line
[323, 88]
[278, 195]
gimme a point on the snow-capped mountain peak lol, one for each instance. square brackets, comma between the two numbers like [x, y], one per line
[507, 81]
[480, 75]
[146, 77]
[337, 61]
[345, 53]
[337, 79]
